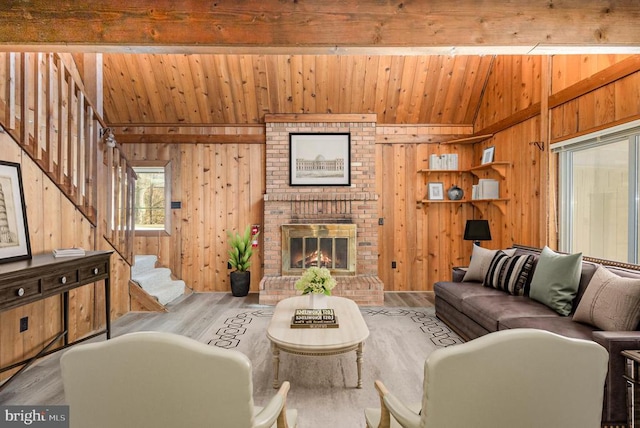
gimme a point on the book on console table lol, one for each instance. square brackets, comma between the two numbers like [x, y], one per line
[314, 318]
[68, 252]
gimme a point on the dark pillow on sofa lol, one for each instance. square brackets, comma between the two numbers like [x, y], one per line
[510, 274]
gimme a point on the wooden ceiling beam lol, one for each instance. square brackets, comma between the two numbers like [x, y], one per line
[187, 134]
[338, 25]
[189, 139]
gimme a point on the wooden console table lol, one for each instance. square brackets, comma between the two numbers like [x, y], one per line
[43, 276]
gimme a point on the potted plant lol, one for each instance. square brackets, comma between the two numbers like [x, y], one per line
[239, 259]
[317, 283]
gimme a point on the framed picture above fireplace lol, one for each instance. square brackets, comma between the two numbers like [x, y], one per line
[318, 159]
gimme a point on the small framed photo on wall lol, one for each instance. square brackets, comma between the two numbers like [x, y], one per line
[435, 191]
[487, 154]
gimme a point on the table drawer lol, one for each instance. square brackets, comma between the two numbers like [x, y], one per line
[99, 269]
[14, 293]
[62, 279]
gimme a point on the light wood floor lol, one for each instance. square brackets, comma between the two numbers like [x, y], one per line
[41, 383]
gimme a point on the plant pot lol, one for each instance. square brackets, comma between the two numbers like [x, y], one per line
[240, 283]
[317, 301]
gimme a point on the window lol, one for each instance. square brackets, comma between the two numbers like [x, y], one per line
[152, 200]
[599, 193]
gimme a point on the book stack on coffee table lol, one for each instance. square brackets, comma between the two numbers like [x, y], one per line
[314, 318]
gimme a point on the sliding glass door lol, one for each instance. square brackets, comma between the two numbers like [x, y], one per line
[599, 197]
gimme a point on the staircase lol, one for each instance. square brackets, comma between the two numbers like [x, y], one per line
[156, 281]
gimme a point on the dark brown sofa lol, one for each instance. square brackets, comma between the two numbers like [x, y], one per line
[473, 310]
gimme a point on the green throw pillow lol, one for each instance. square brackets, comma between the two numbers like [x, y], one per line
[555, 280]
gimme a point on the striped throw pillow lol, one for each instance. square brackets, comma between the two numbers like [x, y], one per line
[510, 274]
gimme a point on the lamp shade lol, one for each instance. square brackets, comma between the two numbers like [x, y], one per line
[477, 230]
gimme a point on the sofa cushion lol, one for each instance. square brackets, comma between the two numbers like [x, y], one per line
[463, 325]
[455, 292]
[555, 280]
[510, 274]
[610, 302]
[588, 269]
[564, 326]
[480, 261]
[489, 310]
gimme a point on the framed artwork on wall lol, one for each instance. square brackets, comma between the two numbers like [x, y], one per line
[436, 191]
[317, 159]
[14, 230]
[487, 154]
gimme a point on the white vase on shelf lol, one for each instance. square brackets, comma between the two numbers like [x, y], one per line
[317, 301]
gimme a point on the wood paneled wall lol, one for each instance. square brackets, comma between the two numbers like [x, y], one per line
[571, 69]
[513, 85]
[220, 187]
[614, 103]
[55, 222]
[523, 185]
[424, 241]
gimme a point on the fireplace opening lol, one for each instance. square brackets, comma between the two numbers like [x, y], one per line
[324, 245]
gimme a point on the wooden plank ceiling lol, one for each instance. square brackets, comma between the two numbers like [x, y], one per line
[197, 89]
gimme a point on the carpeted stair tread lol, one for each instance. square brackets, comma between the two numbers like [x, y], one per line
[143, 264]
[171, 292]
[158, 274]
[156, 281]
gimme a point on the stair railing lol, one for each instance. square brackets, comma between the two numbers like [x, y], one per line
[121, 186]
[43, 107]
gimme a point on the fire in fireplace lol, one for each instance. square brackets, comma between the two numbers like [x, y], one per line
[325, 245]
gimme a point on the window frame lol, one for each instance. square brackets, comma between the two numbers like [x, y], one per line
[166, 231]
[565, 151]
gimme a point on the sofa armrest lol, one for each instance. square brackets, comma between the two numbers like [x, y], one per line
[617, 341]
[615, 388]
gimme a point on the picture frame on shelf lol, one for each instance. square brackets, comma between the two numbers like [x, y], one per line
[320, 159]
[435, 191]
[14, 228]
[487, 155]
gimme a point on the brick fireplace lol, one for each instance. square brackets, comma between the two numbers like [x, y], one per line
[322, 206]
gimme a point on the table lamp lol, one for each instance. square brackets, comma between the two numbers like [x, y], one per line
[476, 231]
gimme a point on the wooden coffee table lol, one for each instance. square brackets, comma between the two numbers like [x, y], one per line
[349, 336]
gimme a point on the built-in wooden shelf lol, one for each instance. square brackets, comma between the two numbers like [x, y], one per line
[443, 171]
[469, 140]
[500, 203]
[443, 201]
[499, 167]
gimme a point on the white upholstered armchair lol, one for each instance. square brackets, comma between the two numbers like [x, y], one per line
[154, 379]
[512, 378]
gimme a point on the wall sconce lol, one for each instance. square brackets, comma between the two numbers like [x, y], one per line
[476, 231]
[109, 138]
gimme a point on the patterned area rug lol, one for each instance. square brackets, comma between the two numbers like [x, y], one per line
[323, 388]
